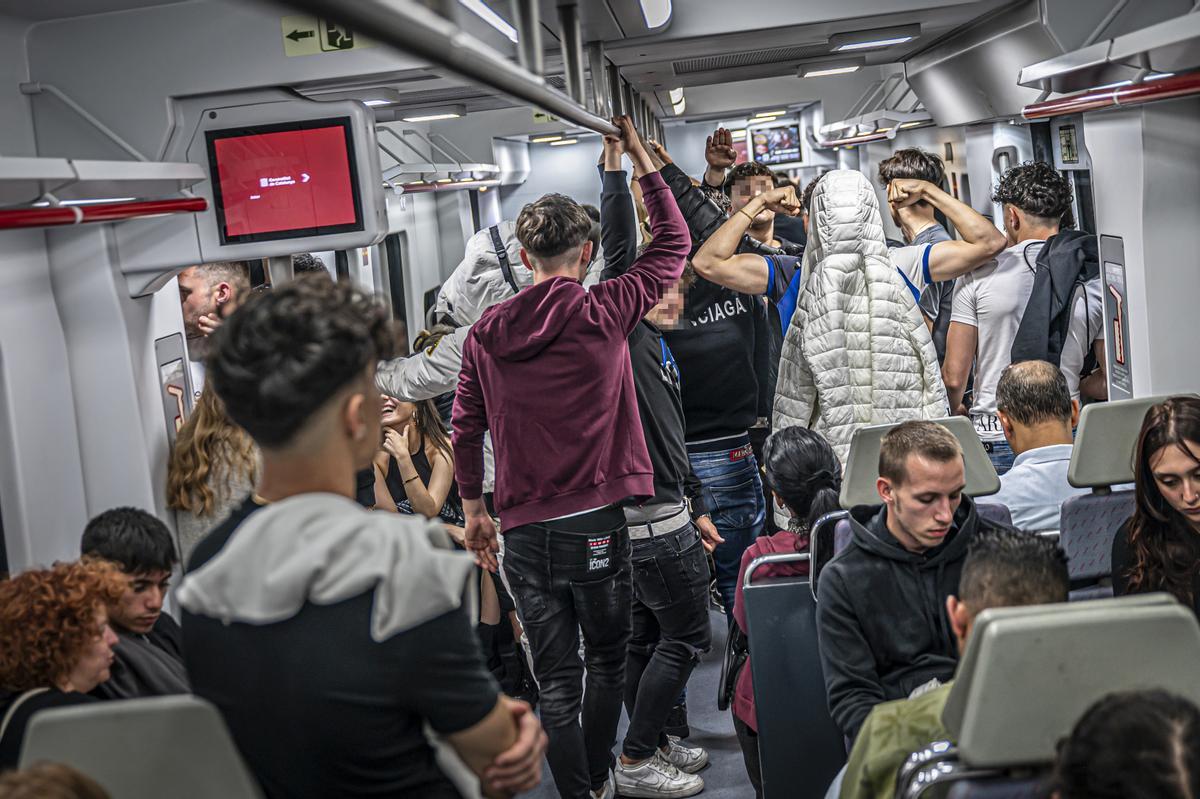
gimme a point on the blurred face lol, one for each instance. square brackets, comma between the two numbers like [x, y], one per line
[745, 190]
[1177, 476]
[665, 315]
[92, 667]
[196, 299]
[921, 509]
[141, 605]
[395, 413]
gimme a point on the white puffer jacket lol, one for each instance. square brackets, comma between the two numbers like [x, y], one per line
[857, 351]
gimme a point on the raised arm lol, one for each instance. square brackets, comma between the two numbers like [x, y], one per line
[719, 155]
[981, 242]
[425, 374]
[618, 220]
[718, 260]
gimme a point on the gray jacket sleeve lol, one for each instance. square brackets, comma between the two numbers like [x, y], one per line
[426, 374]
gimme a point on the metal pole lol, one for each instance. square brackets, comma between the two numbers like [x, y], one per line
[572, 50]
[614, 88]
[647, 118]
[596, 61]
[527, 21]
[418, 31]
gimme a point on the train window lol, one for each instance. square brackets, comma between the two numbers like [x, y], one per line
[1085, 216]
[474, 197]
[394, 253]
[341, 265]
[258, 273]
[431, 297]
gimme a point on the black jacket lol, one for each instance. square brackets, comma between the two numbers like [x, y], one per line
[1065, 263]
[881, 614]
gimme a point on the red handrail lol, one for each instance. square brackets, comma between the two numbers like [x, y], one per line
[100, 212]
[1134, 94]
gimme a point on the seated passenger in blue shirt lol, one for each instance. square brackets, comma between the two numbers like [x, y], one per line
[1037, 414]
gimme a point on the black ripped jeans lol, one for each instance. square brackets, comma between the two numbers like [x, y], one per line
[568, 575]
[670, 632]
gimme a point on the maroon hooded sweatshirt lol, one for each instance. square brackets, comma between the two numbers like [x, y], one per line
[547, 372]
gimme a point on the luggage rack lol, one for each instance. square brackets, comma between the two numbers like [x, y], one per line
[433, 175]
[884, 109]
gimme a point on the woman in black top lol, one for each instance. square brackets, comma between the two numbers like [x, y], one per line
[414, 472]
[1158, 548]
[57, 645]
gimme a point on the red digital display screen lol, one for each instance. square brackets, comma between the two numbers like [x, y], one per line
[285, 181]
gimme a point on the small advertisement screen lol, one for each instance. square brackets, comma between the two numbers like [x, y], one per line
[283, 181]
[779, 145]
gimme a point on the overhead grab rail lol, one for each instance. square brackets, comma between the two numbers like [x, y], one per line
[414, 29]
[888, 102]
[55, 215]
[1135, 94]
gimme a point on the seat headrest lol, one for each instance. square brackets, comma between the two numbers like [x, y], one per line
[1029, 673]
[1105, 440]
[862, 465]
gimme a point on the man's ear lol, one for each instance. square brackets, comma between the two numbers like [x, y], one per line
[1074, 414]
[525, 259]
[354, 416]
[585, 254]
[1014, 218]
[222, 293]
[886, 490]
[959, 616]
[1005, 424]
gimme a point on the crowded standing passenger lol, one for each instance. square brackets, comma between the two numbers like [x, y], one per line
[1132, 745]
[989, 303]
[790, 228]
[1158, 548]
[328, 636]
[57, 643]
[804, 477]
[668, 533]
[1003, 568]
[881, 601]
[1038, 416]
[212, 468]
[547, 373]
[148, 654]
[208, 294]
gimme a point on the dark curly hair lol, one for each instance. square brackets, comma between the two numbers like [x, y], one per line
[279, 358]
[1039, 190]
[911, 163]
[48, 617]
[1132, 745]
[744, 170]
[806, 197]
[1163, 543]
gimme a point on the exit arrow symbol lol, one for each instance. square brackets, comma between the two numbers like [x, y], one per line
[305, 177]
[297, 35]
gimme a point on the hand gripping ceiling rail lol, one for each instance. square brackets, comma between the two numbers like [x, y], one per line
[411, 27]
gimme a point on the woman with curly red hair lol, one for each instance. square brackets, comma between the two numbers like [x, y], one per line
[57, 642]
[1158, 549]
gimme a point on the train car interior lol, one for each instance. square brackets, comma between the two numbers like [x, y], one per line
[387, 143]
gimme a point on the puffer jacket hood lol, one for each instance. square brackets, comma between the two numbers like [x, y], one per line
[478, 282]
[857, 351]
[521, 327]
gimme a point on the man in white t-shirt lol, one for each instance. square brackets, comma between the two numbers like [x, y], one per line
[989, 303]
[1086, 332]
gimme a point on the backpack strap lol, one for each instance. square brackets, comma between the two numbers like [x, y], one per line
[12, 709]
[502, 257]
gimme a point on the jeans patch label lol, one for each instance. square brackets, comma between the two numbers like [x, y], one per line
[598, 555]
[741, 453]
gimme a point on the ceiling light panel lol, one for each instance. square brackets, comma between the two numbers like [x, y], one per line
[656, 12]
[873, 44]
[481, 10]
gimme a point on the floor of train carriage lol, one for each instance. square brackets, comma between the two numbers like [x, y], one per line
[725, 774]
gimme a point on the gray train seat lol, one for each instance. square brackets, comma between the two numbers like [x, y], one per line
[1102, 458]
[1029, 673]
[175, 746]
[800, 748]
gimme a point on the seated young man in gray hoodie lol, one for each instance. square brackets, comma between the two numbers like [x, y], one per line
[881, 602]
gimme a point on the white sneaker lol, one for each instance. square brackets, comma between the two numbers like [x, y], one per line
[688, 759]
[655, 779]
[608, 790]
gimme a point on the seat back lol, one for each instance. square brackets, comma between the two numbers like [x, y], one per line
[1000, 788]
[1105, 440]
[994, 512]
[174, 746]
[862, 464]
[828, 537]
[1029, 673]
[1086, 530]
[799, 746]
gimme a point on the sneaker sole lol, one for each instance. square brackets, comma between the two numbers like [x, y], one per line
[635, 792]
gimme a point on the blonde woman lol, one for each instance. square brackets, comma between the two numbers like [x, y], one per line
[213, 467]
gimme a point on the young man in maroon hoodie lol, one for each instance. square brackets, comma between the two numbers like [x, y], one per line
[548, 373]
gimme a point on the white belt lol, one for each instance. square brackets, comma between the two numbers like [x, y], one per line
[671, 524]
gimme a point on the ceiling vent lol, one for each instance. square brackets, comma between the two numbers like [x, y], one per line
[752, 58]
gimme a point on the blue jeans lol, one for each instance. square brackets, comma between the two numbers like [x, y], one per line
[733, 492]
[1001, 455]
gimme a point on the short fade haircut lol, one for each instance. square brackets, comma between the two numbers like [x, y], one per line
[234, 273]
[552, 226]
[305, 263]
[926, 439]
[745, 171]
[1008, 568]
[133, 539]
[1034, 392]
[287, 352]
[911, 164]
[1039, 190]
